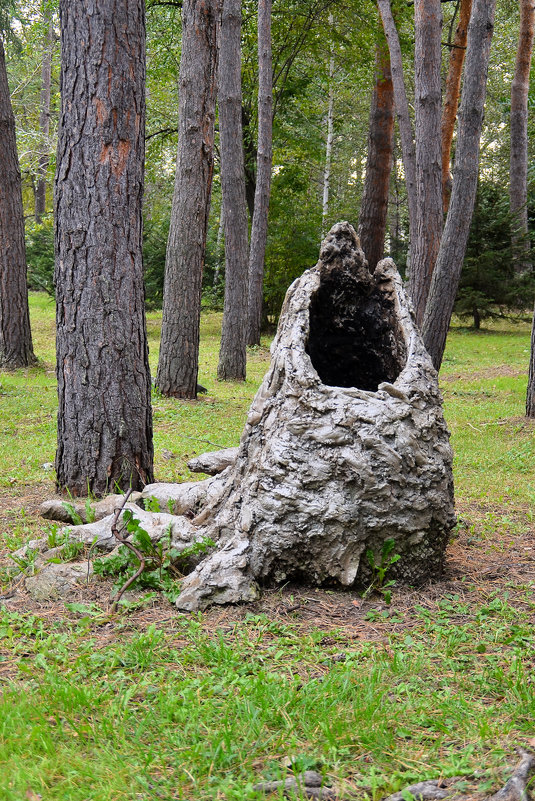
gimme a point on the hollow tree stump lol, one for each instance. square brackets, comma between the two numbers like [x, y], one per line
[345, 444]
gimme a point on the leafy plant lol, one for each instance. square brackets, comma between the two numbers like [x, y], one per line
[164, 565]
[380, 568]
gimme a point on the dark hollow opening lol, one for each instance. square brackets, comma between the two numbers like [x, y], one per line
[355, 340]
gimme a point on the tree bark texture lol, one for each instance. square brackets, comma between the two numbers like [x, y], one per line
[104, 415]
[259, 228]
[178, 364]
[453, 245]
[518, 169]
[428, 108]
[232, 355]
[406, 134]
[44, 122]
[16, 348]
[451, 100]
[374, 205]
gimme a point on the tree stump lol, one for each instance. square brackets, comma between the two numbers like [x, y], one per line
[345, 445]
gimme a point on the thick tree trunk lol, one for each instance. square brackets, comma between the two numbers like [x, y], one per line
[530, 394]
[451, 100]
[16, 348]
[44, 122]
[402, 112]
[453, 245]
[518, 171]
[104, 416]
[428, 107]
[232, 355]
[259, 229]
[374, 205]
[178, 364]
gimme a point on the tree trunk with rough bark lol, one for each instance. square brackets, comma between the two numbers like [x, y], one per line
[257, 248]
[16, 349]
[44, 122]
[406, 134]
[451, 100]
[518, 169]
[428, 108]
[453, 245]
[178, 363]
[232, 355]
[374, 205]
[104, 415]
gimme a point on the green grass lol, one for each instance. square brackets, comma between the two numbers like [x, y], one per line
[202, 707]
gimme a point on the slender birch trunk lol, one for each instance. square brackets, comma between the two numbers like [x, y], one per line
[232, 354]
[44, 122]
[259, 227]
[428, 107]
[453, 245]
[374, 205]
[330, 138]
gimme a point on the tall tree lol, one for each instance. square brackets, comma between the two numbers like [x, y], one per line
[104, 415]
[374, 204]
[178, 364]
[16, 349]
[518, 169]
[44, 118]
[259, 228]
[330, 136]
[428, 110]
[232, 355]
[452, 93]
[453, 244]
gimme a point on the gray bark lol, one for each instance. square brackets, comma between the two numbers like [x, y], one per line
[428, 108]
[44, 121]
[232, 355]
[406, 134]
[374, 204]
[178, 363]
[259, 228]
[104, 415]
[518, 170]
[453, 245]
[16, 349]
[329, 141]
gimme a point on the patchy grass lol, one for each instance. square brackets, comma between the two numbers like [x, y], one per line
[152, 704]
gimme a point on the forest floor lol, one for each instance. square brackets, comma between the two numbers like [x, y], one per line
[151, 704]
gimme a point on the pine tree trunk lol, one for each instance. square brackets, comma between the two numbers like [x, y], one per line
[428, 107]
[402, 113]
[451, 101]
[518, 171]
[44, 122]
[453, 245]
[259, 227]
[374, 206]
[178, 364]
[530, 394]
[16, 348]
[104, 416]
[232, 355]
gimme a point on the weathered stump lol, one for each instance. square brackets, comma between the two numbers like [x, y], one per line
[345, 444]
[345, 448]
